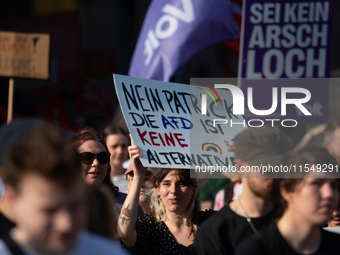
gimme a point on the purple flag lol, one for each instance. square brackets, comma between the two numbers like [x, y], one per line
[174, 30]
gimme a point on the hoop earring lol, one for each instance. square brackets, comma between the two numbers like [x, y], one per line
[159, 197]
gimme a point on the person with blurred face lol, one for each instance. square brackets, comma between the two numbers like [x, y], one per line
[47, 197]
[335, 220]
[117, 141]
[306, 204]
[254, 210]
[52, 214]
[332, 140]
[144, 197]
[8, 133]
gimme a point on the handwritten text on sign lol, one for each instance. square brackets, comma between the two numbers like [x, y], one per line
[166, 121]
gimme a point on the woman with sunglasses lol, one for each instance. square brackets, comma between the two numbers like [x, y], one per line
[175, 215]
[95, 158]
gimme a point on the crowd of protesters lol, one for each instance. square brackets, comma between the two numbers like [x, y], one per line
[69, 193]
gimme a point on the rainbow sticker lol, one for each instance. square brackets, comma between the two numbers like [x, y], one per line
[211, 147]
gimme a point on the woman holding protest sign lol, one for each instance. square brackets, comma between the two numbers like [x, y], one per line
[175, 216]
[306, 204]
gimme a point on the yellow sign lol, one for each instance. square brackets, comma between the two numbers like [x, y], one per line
[24, 55]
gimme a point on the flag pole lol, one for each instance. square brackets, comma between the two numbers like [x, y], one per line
[10, 100]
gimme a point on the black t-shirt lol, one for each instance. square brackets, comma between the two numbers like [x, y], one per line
[274, 243]
[223, 231]
[156, 238]
[5, 225]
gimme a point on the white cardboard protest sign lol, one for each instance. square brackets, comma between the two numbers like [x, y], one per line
[165, 120]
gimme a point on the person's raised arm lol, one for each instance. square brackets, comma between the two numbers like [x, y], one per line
[128, 214]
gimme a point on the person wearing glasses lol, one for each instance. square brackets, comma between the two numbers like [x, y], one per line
[95, 158]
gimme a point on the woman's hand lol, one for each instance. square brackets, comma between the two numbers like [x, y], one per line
[135, 153]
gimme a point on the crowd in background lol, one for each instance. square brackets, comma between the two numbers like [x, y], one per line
[71, 193]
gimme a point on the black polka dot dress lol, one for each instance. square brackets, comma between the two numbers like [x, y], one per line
[156, 238]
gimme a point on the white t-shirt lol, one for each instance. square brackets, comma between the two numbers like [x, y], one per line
[87, 244]
[120, 182]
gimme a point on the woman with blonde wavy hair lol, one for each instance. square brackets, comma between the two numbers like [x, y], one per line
[175, 215]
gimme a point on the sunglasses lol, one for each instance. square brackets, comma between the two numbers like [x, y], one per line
[88, 157]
